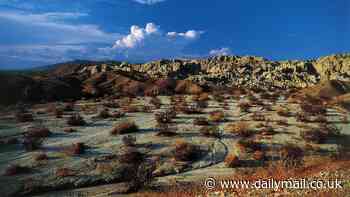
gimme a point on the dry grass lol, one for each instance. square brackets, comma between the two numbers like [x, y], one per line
[76, 120]
[124, 128]
[217, 116]
[232, 161]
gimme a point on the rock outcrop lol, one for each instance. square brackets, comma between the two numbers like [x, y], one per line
[85, 78]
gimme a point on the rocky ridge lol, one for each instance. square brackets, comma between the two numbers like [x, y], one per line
[85, 79]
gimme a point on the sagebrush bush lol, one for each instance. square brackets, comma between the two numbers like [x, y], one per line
[131, 155]
[124, 128]
[185, 151]
[240, 128]
[249, 146]
[129, 140]
[24, 117]
[292, 156]
[201, 121]
[210, 131]
[16, 170]
[41, 157]
[64, 172]
[37, 132]
[75, 149]
[217, 116]
[76, 120]
[166, 130]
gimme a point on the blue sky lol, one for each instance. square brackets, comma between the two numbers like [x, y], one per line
[41, 32]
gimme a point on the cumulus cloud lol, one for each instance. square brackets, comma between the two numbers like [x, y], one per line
[51, 37]
[149, 2]
[222, 51]
[151, 42]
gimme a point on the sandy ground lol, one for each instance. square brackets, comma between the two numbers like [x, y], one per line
[97, 136]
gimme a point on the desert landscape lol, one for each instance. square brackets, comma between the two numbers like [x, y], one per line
[161, 128]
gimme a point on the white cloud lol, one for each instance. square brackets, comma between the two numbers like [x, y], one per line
[56, 25]
[151, 43]
[222, 51]
[149, 2]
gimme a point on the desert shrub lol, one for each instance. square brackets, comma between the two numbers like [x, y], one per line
[40, 157]
[156, 102]
[283, 122]
[187, 87]
[218, 96]
[320, 135]
[240, 128]
[259, 155]
[210, 131]
[231, 161]
[313, 109]
[201, 121]
[111, 104]
[69, 130]
[185, 151]
[281, 111]
[117, 114]
[37, 132]
[249, 146]
[75, 149]
[103, 114]
[268, 130]
[302, 117]
[292, 156]
[24, 117]
[16, 170]
[166, 130]
[32, 143]
[321, 119]
[130, 109]
[124, 128]
[68, 107]
[130, 155]
[166, 85]
[129, 140]
[244, 106]
[258, 116]
[201, 104]
[217, 116]
[188, 108]
[163, 117]
[76, 120]
[64, 172]
[203, 97]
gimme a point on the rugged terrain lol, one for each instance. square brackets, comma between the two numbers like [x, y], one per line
[161, 128]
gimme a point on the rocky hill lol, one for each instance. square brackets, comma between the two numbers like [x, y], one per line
[84, 78]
